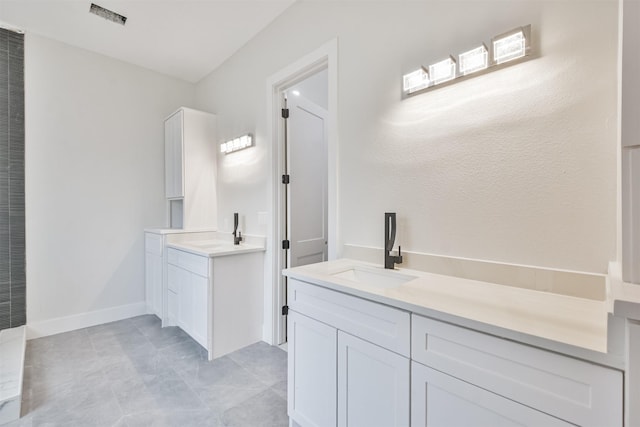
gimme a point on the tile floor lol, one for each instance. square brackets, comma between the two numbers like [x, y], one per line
[134, 373]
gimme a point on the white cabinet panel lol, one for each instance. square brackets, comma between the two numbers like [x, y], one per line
[377, 323]
[200, 295]
[185, 301]
[153, 283]
[153, 274]
[373, 385]
[633, 375]
[174, 179]
[312, 371]
[172, 307]
[576, 391]
[439, 400]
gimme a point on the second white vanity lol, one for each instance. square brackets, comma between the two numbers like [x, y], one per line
[215, 293]
[375, 347]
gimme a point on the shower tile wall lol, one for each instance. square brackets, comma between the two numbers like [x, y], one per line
[12, 235]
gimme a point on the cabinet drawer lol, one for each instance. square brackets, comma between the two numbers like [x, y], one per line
[438, 399]
[193, 263]
[573, 390]
[380, 324]
[153, 243]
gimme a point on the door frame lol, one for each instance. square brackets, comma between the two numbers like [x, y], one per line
[326, 56]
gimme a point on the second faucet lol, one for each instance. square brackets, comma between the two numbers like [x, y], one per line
[389, 238]
[237, 235]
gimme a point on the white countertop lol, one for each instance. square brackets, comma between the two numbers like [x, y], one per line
[216, 248]
[566, 319]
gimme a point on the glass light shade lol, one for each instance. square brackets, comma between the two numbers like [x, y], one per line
[509, 47]
[236, 144]
[474, 60]
[443, 71]
[415, 81]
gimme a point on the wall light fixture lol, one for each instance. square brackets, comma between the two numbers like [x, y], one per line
[239, 143]
[506, 49]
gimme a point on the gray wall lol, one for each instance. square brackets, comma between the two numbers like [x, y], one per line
[12, 234]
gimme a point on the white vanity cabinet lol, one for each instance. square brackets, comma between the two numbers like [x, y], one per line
[348, 360]
[216, 299]
[356, 362]
[190, 168]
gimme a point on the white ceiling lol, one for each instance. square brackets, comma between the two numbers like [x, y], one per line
[186, 39]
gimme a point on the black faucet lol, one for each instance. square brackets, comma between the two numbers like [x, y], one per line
[237, 238]
[389, 238]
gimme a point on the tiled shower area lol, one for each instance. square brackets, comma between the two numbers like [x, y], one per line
[12, 222]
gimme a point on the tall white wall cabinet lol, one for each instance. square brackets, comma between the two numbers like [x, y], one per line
[190, 169]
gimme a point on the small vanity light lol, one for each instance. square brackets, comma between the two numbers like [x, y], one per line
[443, 71]
[509, 46]
[474, 60]
[415, 80]
[236, 144]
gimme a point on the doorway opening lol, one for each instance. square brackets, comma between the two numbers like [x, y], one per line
[304, 197]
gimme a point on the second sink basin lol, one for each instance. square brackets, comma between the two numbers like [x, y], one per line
[374, 277]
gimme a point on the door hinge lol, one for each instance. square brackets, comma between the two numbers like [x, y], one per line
[285, 310]
[285, 113]
[285, 179]
[285, 244]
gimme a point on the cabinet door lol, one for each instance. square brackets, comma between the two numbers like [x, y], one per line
[199, 288]
[440, 400]
[174, 276]
[173, 156]
[373, 385]
[312, 392]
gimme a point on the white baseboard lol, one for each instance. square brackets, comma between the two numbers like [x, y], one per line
[84, 320]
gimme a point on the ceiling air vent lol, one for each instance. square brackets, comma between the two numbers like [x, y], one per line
[107, 14]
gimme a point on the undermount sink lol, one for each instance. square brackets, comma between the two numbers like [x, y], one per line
[374, 277]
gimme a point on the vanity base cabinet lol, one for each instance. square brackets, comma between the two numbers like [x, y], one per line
[216, 300]
[336, 378]
[311, 371]
[373, 385]
[440, 400]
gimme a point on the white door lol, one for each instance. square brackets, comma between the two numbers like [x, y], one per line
[311, 372]
[307, 143]
[440, 400]
[373, 385]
